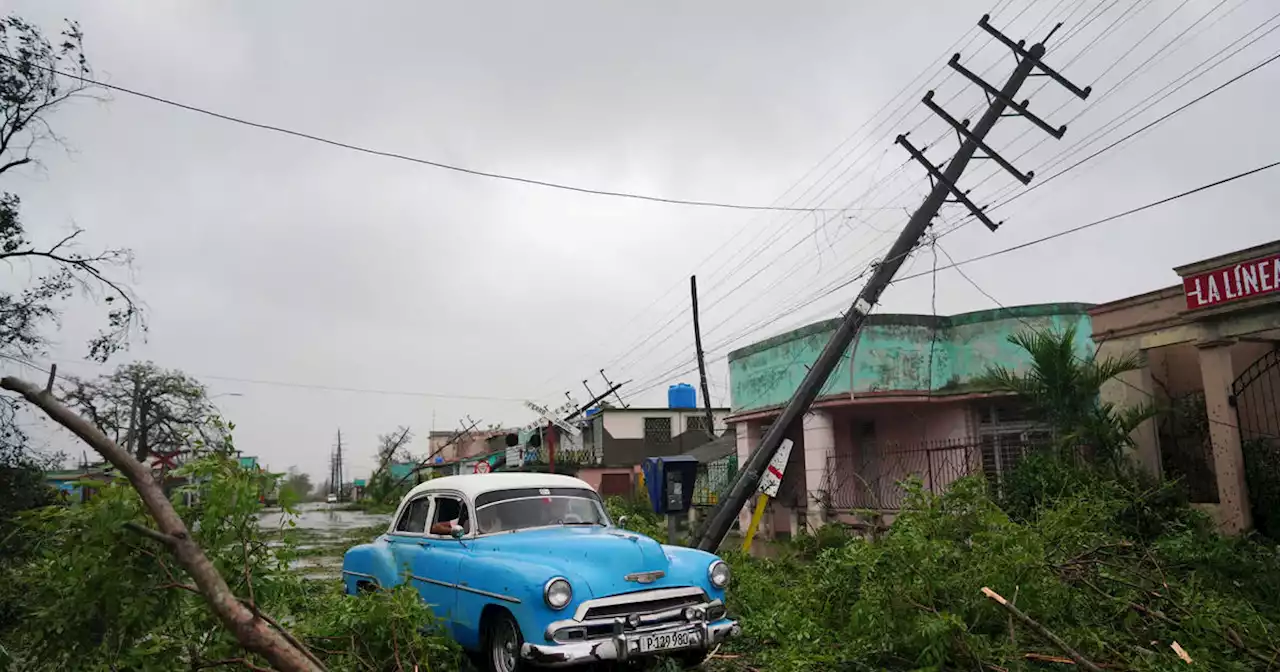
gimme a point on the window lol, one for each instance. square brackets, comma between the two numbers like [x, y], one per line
[696, 423]
[414, 518]
[518, 509]
[1007, 435]
[657, 431]
[448, 511]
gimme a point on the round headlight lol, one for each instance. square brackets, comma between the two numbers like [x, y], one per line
[558, 593]
[718, 573]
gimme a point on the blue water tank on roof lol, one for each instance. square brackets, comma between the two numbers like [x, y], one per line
[682, 395]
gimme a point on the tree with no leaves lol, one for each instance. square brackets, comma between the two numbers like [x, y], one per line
[146, 408]
[30, 93]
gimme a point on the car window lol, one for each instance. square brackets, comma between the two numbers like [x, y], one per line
[449, 510]
[517, 513]
[414, 518]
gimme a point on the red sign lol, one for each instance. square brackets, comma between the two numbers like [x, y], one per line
[482, 467]
[1245, 280]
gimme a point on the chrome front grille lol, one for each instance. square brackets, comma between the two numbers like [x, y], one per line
[640, 602]
[632, 612]
[643, 607]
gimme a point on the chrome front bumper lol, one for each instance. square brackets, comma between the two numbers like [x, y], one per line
[622, 646]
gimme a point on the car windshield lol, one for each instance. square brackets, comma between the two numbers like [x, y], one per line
[511, 510]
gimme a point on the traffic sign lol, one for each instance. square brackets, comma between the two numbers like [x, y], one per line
[772, 477]
[482, 467]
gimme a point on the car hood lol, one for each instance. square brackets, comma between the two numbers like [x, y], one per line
[601, 556]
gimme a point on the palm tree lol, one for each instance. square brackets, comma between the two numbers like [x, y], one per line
[1061, 390]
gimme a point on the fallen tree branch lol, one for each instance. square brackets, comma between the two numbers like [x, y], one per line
[1043, 631]
[252, 632]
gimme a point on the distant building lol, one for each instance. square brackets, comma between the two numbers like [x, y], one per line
[615, 442]
[76, 485]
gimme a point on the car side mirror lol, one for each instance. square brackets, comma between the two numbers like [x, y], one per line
[622, 521]
[457, 531]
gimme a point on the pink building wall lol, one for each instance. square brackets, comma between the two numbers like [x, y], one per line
[865, 469]
[594, 475]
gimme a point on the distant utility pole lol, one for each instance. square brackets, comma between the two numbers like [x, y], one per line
[337, 468]
[944, 190]
[702, 364]
[613, 389]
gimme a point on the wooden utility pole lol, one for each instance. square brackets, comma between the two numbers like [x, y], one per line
[614, 388]
[944, 190]
[702, 364]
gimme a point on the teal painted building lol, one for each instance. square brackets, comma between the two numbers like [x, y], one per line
[905, 400]
[896, 354]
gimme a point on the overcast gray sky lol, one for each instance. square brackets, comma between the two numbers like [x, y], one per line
[262, 257]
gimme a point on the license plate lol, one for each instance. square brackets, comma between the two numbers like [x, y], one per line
[667, 641]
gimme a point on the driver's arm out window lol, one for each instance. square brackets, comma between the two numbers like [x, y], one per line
[448, 511]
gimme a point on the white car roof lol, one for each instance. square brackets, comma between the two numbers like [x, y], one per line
[473, 485]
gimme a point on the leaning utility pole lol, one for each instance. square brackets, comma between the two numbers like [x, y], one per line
[702, 364]
[944, 190]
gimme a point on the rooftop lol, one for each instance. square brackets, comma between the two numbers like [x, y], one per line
[472, 485]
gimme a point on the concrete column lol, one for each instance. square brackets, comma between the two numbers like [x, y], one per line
[819, 446]
[1234, 513]
[1133, 389]
[748, 434]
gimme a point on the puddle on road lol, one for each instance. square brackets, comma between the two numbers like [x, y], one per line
[321, 534]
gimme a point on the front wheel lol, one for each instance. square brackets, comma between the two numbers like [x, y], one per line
[502, 646]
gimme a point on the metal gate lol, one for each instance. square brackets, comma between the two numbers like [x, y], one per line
[1255, 394]
[1186, 450]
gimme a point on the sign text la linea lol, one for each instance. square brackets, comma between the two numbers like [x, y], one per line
[1245, 280]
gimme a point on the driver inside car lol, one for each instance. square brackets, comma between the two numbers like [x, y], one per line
[449, 514]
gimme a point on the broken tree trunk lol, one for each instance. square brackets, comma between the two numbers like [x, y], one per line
[253, 633]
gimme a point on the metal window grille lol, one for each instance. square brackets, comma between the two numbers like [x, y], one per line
[657, 431]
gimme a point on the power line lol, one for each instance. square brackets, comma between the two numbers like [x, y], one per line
[306, 386]
[412, 159]
[1037, 241]
[1131, 112]
[823, 192]
[635, 357]
[1127, 14]
[1099, 222]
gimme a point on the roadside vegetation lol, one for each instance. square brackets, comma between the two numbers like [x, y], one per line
[1101, 567]
[85, 591]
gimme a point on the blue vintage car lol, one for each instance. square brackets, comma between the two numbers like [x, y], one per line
[527, 568]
